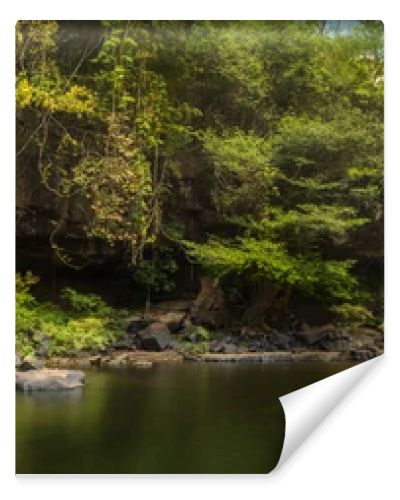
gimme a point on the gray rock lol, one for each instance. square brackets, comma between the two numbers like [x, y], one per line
[213, 346]
[334, 345]
[49, 380]
[173, 319]
[315, 334]
[136, 325]
[156, 337]
[230, 349]
[281, 341]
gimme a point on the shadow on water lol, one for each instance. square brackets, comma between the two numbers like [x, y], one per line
[174, 418]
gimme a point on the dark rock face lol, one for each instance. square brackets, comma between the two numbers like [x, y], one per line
[136, 325]
[156, 337]
[313, 335]
[280, 341]
[49, 380]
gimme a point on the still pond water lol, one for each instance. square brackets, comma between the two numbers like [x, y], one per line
[173, 418]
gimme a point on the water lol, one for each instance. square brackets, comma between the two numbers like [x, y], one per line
[173, 418]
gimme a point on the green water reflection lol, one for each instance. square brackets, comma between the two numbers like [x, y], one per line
[174, 418]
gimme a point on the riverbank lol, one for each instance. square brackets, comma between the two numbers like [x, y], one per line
[145, 359]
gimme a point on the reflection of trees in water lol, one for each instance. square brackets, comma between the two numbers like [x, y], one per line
[173, 418]
[75, 395]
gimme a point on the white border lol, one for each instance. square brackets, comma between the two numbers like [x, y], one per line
[355, 452]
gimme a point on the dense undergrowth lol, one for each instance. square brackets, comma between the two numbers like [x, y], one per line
[248, 151]
[81, 322]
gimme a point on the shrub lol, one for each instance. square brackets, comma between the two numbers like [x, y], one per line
[194, 349]
[26, 318]
[77, 334]
[351, 315]
[194, 340]
[85, 302]
[86, 322]
[195, 334]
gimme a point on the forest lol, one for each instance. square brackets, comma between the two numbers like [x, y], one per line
[234, 164]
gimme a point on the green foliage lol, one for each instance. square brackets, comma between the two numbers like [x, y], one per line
[309, 224]
[194, 340]
[39, 83]
[352, 315]
[26, 318]
[258, 260]
[242, 172]
[74, 335]
[195, 334]
[85, 303]
[157, 274]
[274, 129]
[85, 323]
[191, 349]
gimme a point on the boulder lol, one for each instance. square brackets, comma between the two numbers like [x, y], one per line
[315, 334]
[366, 338]
[229, 349]
[281, 341]
[173, 319]
[215, 346]
[135, 325]
[46, 379]
[156, 337]
[334, 345]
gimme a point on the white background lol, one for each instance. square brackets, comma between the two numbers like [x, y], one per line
[355, 453]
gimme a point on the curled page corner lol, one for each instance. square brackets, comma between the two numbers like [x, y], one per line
[308, 407]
